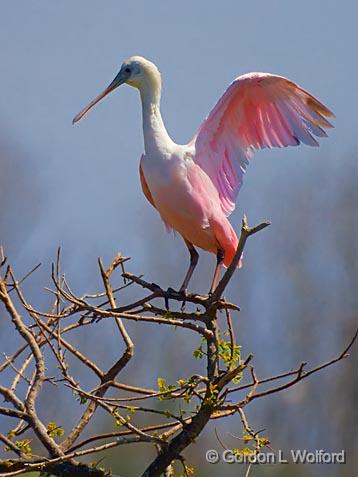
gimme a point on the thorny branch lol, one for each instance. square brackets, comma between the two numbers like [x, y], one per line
[46, 337]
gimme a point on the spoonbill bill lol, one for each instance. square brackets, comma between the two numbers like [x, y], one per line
[194, 186]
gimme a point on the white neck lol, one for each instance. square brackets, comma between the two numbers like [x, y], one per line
[156, 138]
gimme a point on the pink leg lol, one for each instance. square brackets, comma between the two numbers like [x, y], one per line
[220, 255]
[194, 257]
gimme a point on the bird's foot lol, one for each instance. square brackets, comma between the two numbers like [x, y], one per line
[211, 291]
[95, 319]
[156, 286]
[171, 291]
[184, 292]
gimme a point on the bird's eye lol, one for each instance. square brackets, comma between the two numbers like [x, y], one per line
[127, 70]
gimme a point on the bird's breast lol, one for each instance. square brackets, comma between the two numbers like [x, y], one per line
[184, 196]
[179, 187]
[163, 170]
[169, 184]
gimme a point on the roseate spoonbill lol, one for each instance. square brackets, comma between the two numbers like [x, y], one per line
[194, 186]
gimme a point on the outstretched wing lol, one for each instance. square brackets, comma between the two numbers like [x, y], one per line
[258, 110]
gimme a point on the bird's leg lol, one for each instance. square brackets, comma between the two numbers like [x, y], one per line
[220, 255]
[194, 257]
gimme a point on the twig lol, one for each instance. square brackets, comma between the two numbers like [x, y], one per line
[246, 232]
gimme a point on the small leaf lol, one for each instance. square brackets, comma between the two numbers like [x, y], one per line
[53, 430]
[23, 446]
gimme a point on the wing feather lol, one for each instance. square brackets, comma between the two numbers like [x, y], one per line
[258, 110]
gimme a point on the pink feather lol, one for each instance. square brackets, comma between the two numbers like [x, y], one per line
[258, 110]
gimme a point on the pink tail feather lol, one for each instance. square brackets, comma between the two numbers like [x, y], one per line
[227, 238]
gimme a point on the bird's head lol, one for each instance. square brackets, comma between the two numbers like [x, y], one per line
[137, 72]
[140, 73]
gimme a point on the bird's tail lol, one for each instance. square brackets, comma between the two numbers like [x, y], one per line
[227, 238]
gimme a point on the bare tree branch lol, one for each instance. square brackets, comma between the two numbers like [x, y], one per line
[197, 399]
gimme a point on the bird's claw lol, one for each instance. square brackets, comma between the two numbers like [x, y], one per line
[184, 292]
[180, 293]
[96, 319]
[155, 286]
[171, 291]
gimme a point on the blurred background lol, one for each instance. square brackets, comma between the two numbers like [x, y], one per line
[78, 187]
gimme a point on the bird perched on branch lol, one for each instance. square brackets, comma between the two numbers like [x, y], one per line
[194, 186]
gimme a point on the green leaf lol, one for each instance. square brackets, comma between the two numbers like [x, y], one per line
[198, 353]
[23, 446]
[165, 388]
[53, 430]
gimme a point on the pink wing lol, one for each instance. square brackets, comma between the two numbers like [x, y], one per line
[258, 110]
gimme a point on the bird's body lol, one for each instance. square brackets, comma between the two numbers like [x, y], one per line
[187, 200]
[194, 186]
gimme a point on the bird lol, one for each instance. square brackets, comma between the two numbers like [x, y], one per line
[194, 186]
